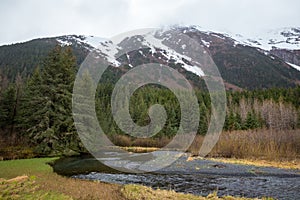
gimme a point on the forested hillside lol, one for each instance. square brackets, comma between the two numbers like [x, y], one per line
[36, 111]
[23, 58]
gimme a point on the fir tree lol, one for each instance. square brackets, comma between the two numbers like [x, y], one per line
[47, 105]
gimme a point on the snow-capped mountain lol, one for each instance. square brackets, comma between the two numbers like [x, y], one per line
[147, 41]
[272, 43]
[269, 60]
[283, 42]
[284, 38]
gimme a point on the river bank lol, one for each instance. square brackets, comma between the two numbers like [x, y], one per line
[40, 182]
[283, 164]
[259, 162]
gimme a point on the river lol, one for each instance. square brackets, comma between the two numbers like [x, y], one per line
[199, 177]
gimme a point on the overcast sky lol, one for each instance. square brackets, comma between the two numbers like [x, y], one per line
[22, 20]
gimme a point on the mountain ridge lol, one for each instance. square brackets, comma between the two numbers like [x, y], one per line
[242, 65]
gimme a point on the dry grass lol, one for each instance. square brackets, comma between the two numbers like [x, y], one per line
[126, 141]
[262, 144]
[140, 149]
[269, 145]
[79, 189]
[25, 187]
[137, 192]
[294, 164]
[266, 145]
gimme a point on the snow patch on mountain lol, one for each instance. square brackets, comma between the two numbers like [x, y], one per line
[194, 69]
[109, 49]
[294, 66]
[94, 41]
[287, 38]
[64, 43]
[207, 44]
[283, 38]
[89, 42]
[102, 45]
[155, 43]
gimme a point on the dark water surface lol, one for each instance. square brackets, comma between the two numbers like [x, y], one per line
[199, 177]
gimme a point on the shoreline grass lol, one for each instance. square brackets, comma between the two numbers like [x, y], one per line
[46, 182]
[293, 164]
[138, 192]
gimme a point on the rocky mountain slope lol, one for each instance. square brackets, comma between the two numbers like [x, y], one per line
[268, 60]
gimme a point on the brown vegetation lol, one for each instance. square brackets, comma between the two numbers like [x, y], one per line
[79, 189]
[137, 192]
[263, 144]
[276, 145]
[126, 141]
[18, 149]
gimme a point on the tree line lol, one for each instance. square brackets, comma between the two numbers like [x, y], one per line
[38, 108]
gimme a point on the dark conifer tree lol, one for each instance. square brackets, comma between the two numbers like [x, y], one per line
[47, 109]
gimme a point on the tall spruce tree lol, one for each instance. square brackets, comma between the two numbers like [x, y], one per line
[47, 108]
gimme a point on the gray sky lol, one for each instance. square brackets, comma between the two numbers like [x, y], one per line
[22, 20]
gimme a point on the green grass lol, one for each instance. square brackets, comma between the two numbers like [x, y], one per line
[12, 168]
